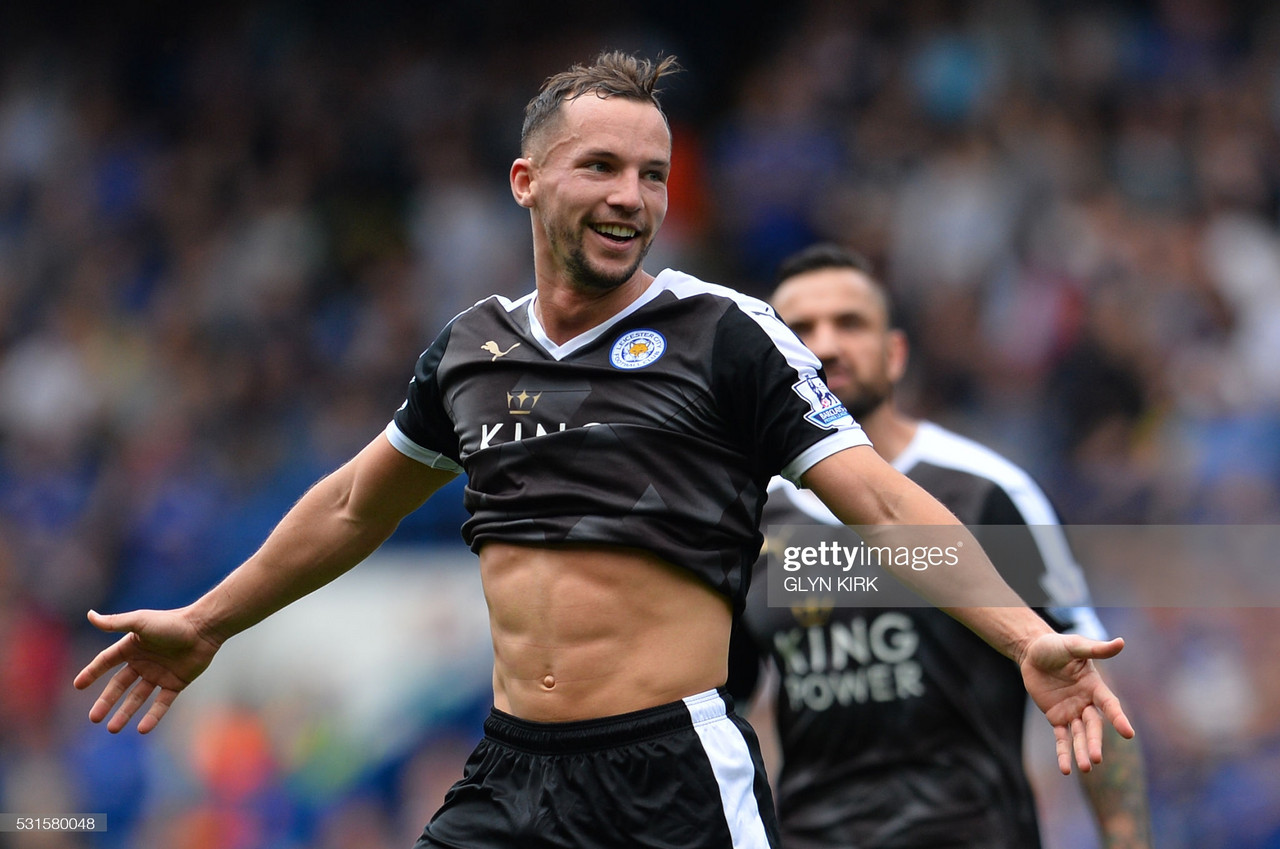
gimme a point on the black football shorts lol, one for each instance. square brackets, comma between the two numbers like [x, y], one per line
[685, 775]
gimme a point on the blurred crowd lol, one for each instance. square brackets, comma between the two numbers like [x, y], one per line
[225, 237]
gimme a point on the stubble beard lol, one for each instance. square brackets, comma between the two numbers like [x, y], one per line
[591, 279]
[864, 400]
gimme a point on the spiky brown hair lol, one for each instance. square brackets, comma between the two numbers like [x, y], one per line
[612, 74]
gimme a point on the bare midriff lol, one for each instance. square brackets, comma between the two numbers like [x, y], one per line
[581, 632]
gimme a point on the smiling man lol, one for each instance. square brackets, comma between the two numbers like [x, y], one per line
[617, 430]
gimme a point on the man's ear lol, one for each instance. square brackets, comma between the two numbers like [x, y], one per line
[522, 182]
[897, 350]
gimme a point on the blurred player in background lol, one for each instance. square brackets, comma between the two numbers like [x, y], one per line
[898, 727]
[618, 430]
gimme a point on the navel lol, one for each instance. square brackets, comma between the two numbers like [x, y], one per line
[549, 682]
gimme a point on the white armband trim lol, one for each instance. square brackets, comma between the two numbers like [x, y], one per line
[413, 450]
[846, 437]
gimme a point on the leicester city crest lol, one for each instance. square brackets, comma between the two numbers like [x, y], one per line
[637, 349]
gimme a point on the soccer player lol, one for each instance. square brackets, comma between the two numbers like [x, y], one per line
[617, 430]
[898, 727]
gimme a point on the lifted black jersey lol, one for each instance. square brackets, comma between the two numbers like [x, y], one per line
[658, 429]
[901, 727]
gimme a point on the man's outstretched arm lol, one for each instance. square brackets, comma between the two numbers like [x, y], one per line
[1057, 669]
[338, 523]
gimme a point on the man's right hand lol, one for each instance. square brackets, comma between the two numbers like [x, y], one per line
[161, 650]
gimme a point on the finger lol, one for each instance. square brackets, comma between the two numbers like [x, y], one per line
[1062, 743]
[1080, 743]
[137, 698]
[158, 709]
[116, 622]
[116, 687]
[1093, 731]
[1087, 649]
[1110, 707]
[107, 659]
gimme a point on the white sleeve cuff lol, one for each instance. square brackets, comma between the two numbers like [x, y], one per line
[838, 441]
[413, 450]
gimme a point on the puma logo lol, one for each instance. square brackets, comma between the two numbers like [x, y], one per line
[492, 348]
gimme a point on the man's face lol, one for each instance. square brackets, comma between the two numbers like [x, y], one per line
[597, 183]
[840, 316]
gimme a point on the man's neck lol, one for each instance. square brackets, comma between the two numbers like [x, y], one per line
[566, 311]
[889, 430]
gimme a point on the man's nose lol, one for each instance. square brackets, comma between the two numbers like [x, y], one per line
[822, 342]
[625, 191]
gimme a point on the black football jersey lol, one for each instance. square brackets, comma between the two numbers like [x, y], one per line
[658, 429]
[900, 727]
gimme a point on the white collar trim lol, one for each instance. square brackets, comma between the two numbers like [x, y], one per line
[559, 352]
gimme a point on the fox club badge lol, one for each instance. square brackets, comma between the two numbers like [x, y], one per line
[637, 349]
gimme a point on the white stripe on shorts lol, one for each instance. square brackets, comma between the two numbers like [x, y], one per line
[734, 770]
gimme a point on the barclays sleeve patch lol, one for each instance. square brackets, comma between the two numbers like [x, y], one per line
[825, 409]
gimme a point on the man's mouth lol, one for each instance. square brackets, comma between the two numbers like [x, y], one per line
[837, 379]
[615, 232]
